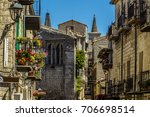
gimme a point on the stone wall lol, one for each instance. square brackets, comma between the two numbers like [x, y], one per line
[4, 20]
[77, 27]
[59, 79]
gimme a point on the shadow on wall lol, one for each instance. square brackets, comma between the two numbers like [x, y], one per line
[54, 95]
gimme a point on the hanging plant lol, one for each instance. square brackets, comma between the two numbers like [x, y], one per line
[37, 42]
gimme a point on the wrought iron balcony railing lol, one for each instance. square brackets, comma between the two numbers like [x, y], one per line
[145, 16]
[121, 87]
[113, 33]
[129, 84]
[106, 58]
[144, 82]
[122, 26]
[133, 12]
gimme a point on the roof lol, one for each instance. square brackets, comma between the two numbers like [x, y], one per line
[72, 21]
[103, 38]
[55, 31]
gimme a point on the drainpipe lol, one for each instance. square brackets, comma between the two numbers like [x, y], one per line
[135, 62]
[121, 57]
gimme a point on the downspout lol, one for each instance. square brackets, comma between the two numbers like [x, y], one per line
[121, 57]
[135, 62]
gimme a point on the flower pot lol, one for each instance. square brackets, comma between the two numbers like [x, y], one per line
[31, 73]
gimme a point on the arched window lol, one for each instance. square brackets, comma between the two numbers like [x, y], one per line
[49, 54]
[55, 54]
[58, 54]
[61, 54]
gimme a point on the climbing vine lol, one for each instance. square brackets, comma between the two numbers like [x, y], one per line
[80, 59]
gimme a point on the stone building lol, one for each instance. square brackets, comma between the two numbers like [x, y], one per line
[15, 82]
[98, 73]
[59, 72]
[79, 30]
[128, 35]
[93, 37]
[7, 43]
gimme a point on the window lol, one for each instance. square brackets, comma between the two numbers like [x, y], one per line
[55, 54]
[49, 54]
[58, 54]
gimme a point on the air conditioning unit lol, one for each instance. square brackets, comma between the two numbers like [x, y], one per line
[18, 96]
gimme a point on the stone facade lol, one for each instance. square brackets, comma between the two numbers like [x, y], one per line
[7, 44]
[130, 55]
[79, 30]
[59, 72]
[9, 30]
[99, 76]
[74, 26]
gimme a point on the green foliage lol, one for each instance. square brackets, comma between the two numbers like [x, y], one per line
[78, 83]
[80, 59]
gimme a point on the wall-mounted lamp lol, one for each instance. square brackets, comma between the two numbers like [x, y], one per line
[15, 10]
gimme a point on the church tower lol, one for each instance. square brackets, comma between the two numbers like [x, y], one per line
[94, 26]
[47, 20]
[94, 31]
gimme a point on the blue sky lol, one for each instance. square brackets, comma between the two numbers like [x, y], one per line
[79, 10]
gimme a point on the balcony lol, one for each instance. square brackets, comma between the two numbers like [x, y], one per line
[133, 13]
[145, 17]
[129, 84]
[113, 33]
[26, 2]
[113, 1]
[122, 26]
[120, 87]
[105, 57]
[106, 64]
[29, 54]
[144, 82]
[104, 53]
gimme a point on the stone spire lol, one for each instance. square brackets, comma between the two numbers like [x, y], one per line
[47, 20]
[94, 26]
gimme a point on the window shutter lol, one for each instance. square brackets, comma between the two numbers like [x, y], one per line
[6, 52]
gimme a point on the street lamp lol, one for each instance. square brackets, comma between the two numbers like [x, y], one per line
[15, 11]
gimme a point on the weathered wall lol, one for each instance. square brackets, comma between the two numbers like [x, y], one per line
[59, 80]
[4, 20]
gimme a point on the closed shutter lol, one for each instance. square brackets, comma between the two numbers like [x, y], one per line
[6, 52]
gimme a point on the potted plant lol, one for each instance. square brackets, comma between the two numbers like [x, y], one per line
[37, 42]
[25, 57]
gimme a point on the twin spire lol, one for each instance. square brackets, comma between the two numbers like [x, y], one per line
[94, 26]
[47, 20]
